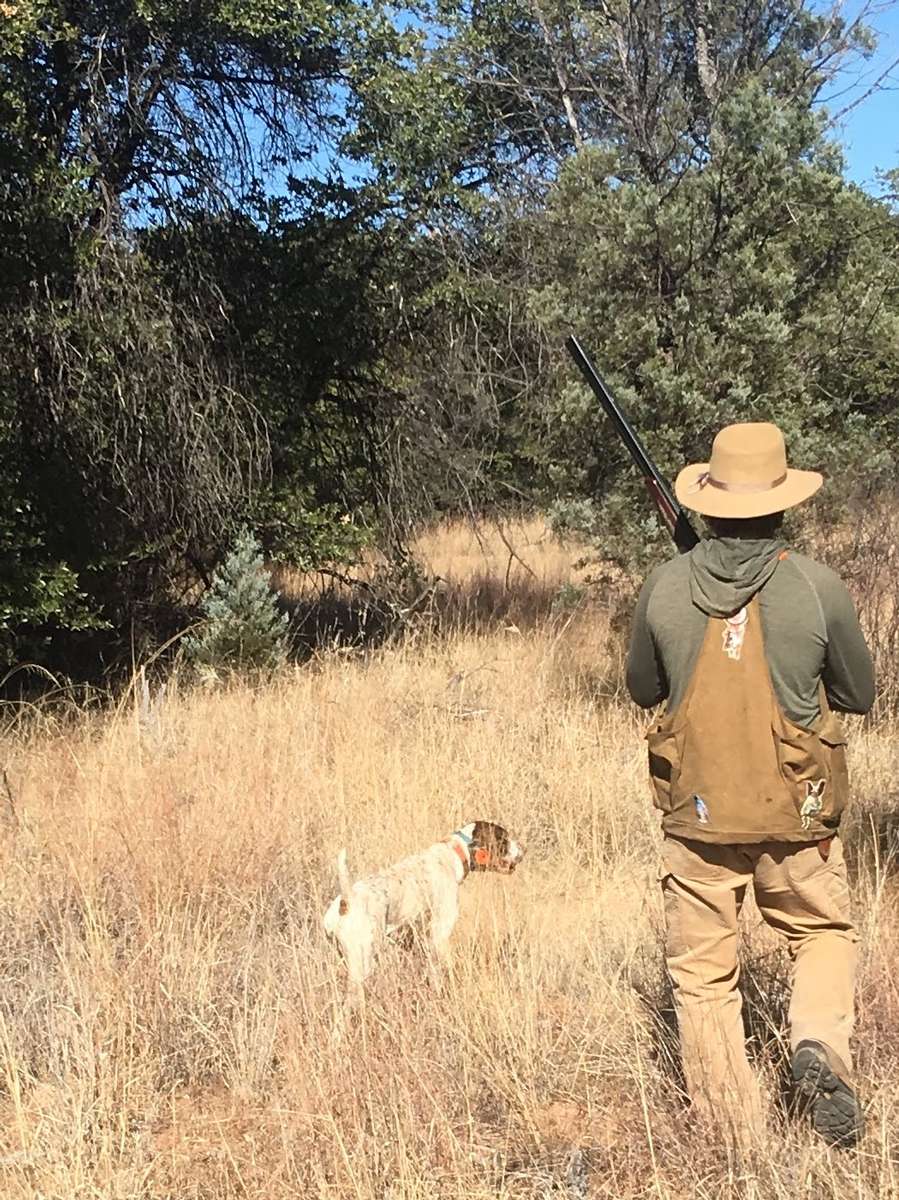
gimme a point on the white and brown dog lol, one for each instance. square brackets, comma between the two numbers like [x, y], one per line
[418, 896]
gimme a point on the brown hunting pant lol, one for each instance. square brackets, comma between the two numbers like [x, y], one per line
[799, 892]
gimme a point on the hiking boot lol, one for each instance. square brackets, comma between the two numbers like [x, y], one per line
[824, 1093]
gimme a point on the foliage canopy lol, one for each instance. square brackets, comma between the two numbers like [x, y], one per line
[281, 266]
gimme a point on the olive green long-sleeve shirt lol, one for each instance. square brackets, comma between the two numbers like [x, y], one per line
[809, 623]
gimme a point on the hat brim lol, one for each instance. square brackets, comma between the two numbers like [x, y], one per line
[716, 502]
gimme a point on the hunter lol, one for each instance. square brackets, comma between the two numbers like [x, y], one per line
[753, 647]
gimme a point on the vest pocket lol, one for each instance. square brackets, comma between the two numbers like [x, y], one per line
[665, 744]
[833, 738]
[813, 764]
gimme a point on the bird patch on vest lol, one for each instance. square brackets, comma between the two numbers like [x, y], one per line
[813, 802]
[702, 810]
[734, 633]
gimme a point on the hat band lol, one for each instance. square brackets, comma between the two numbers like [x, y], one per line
[745, 489]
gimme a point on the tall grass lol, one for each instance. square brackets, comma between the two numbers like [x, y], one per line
[166, 991]
[863, 546]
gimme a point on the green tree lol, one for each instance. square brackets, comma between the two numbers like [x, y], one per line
[146, 149]
[678, 204]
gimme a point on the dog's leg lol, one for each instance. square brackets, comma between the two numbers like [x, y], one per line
[443, 922]
[347, 1008]
[359, 957]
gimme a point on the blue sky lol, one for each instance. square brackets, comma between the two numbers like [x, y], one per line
[870, 132]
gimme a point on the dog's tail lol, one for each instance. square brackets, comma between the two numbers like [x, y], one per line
[343, 876]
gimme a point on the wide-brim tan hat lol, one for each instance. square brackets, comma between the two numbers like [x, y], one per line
[747, 476]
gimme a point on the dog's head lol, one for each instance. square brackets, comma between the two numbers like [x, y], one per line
[490, 848]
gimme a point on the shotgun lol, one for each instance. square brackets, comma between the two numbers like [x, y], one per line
[673, 516]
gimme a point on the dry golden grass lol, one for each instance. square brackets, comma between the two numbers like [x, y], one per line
[166, 990]
[516, 571]
[467, 553]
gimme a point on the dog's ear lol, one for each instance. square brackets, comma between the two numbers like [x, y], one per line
[491, 837]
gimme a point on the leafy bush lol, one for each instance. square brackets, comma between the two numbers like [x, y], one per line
[243, 628]
[568, 598]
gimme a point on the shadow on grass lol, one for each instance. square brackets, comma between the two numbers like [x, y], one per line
[358, 614]
[332, 619]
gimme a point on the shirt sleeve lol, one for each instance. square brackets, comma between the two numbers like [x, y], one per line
[848, 673]
[645, 677]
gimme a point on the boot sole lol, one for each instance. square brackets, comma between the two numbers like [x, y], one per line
[835, 1109]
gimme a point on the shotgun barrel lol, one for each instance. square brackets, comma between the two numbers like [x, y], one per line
[673, 516]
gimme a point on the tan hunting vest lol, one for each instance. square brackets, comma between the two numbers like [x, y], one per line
[727, 765]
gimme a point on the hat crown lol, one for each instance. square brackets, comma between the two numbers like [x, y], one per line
[751, 453]
[746, 476]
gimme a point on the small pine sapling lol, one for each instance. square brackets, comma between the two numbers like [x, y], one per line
[243, 627]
